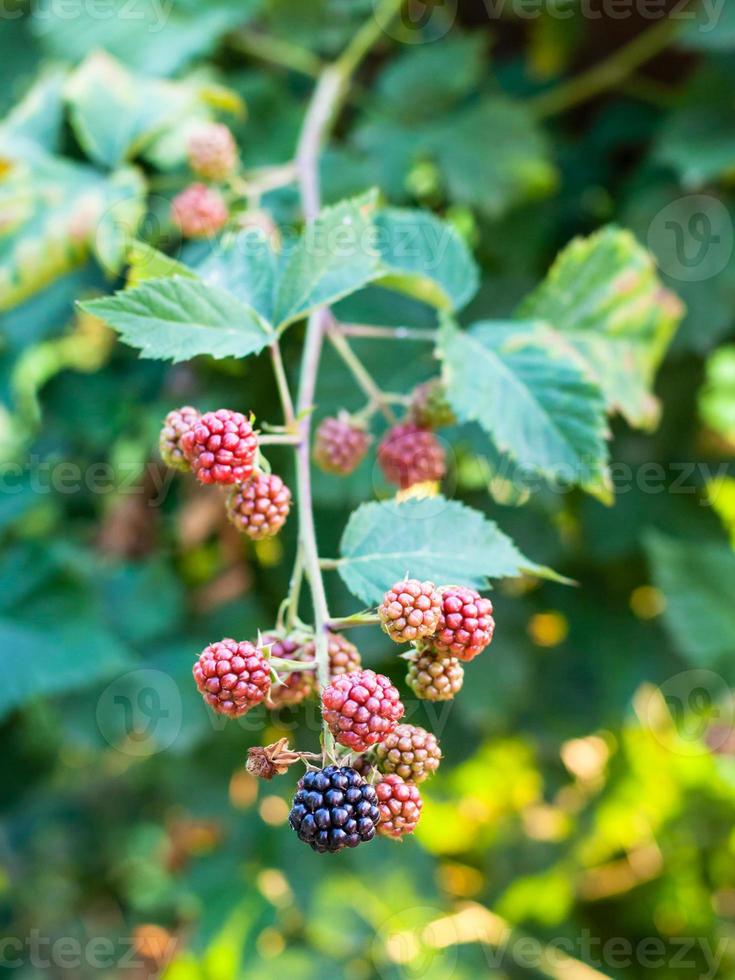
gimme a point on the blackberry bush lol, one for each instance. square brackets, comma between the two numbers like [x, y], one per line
[258, 294]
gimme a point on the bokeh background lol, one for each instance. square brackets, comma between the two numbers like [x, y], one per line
[582, 822]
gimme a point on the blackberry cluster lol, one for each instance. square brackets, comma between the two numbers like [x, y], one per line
[232, 677]
[212, 151]
[466, 625]
[334, 808]
[361, 708]
[260, 507]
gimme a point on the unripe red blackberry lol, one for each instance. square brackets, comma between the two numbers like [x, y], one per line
[410, 752]
[212, 151]
[434, 676]
[410, 610]
[400, 805]
[361, 708]
[297, 685]
[409, 454]
[344, 657]
[340, 445]
[176, 423]
[466, 624]
[429, 406]
[232, 677]
[221, 447]
[260, 507]
[199, 211]
[334, 808]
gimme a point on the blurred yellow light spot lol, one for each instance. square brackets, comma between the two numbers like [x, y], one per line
[460, 880]
[270, 943]
[269, 552]
[585, 758]
[544, 822]
[74, 757]
[402, 947]
[243, 790]
[472, 808]
[274, 887]
[548, 629]
[274, 810]
[647, 602]
[721, 498]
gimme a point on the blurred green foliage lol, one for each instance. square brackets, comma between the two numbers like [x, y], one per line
[586, 801]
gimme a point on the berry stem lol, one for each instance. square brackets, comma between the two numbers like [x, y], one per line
[278, 440]
[387, 333]
[278, 52]
[358, 619]
[359, 372]
[326, 101]
[610, 72]
[284, 391]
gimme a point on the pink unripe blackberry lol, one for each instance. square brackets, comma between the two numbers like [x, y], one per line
[212, 151]
[410, 610]
[340, 445]
[410, 752]
[232, 677]
[400, 805]
[176, 423]
[344, 657]
[409, 454]
[434, 676]
[361, 708]
[221, 447]
[260, 507]
[199, 211]
[466, 624]
[296, 685]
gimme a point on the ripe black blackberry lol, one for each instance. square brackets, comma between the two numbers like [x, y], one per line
[334, 808]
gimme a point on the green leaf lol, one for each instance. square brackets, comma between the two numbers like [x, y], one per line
[179, 318]
[425, 258]
[39, 115]
[154, 37]
[51, 210]
[436, 539]
[37, 661]
[516, 168]
[121, 219]
[334, 257]
[116, 115]
[604, 296]
[246, 266]
[537, 404]
[146, 262]
[698, 580]
[436, 75]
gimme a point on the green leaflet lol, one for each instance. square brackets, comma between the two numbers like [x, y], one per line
[537, 404]
[435, 538]
[698, 580]
[603, 296]
[178, 318]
